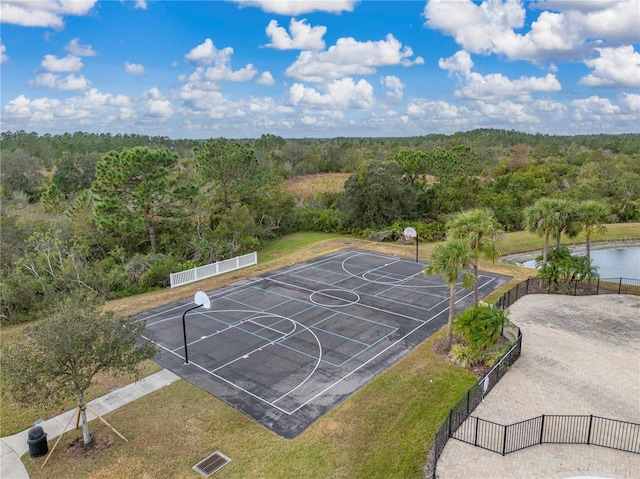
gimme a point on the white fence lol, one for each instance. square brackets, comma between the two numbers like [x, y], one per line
[214, 269]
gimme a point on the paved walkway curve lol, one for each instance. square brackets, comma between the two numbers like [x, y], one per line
[580, 355]
[13, 447]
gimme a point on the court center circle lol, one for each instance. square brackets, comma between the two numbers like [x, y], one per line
[334, 298]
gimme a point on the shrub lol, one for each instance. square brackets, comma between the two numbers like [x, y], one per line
[481, 326]
[465, 355]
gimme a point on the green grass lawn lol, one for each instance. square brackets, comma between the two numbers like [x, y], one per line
[383, 430]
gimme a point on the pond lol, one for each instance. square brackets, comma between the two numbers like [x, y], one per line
[611, 263]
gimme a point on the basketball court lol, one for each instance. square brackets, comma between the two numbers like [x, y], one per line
[286, 347]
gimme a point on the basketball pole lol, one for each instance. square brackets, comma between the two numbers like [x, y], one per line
[416, 249]
[201, 299]
[184, 330]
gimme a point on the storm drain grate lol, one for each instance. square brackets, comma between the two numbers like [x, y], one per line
[212, 463]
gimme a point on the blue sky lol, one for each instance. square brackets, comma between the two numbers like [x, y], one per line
[305, 68]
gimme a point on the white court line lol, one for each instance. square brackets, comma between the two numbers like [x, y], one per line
[268, 342]
[212, 295]
[307, 265]
[323, 292]
[348, 374]
[359, 304]
[235, 326]
[374, 357]
[388, 283]
[271, 278]
[272, 343]
[212, 372]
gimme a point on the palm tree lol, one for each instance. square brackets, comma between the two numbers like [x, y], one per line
[449, 260]
[591, 215]
[568, 222]
[544, 218]
[479, 227]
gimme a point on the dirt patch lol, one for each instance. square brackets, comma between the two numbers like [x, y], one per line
[76, 449]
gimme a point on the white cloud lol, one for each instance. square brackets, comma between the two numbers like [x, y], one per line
[140, 4]
[630, 103]
[477, 28]
[600, 114]
[459, 62]
[43, 13]
[155, 104]
[54, 81]
[267, 105]
[438, 109]
[395, 89]
[266, 78]
[594, 108]
[18, 108]
[615, 20]
[3, 55]
[213, 66]
[224, 72]
[497, 86]
[75, 49]
[568, 32]
[548, 110]
[135, 69]
[343, 93]
[443, 116]
[299, 7]
[615, 67]
[303, 36]
[350, 57]
[69, 63]
[197, 99]
[508, 112]
[206, 53]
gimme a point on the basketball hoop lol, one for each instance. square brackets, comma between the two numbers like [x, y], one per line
[410, 232]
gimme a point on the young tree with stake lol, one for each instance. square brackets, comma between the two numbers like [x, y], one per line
[61, 356]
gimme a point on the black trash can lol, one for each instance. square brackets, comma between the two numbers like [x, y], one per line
[37, 442]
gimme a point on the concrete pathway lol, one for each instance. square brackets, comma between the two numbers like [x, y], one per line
[13, 447]
[580, 355]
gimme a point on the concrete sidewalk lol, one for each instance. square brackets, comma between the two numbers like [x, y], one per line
[13, 447]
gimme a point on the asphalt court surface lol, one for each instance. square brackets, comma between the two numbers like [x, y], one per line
[287, 346]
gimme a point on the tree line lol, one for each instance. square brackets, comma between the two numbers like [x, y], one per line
[115, 215]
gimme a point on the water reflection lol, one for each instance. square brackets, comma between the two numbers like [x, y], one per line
[612, 263]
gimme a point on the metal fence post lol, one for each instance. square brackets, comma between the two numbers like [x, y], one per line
[620, 286]
[598, 287]
[435, 456]
[589, 432]
[468, 393]
[475, 439]
[541, 429]
[527, 289]
[504, 441]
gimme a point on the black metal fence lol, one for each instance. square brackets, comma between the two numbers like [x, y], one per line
[474, 396]
[547, 429]
[558, 429]
[575, 288]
